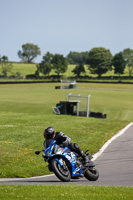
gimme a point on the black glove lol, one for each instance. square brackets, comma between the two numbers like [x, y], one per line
[64, 144]
[37, 152]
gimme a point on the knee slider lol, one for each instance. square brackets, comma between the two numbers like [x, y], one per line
[73, 146]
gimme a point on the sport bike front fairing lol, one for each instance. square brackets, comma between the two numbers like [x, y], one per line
[67, 164]
[63, 155]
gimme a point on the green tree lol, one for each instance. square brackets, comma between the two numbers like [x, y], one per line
[59, 64]
[118, 63]
[5, 65]
[99, 60]
[128, 58]
[78, 70]
[77, 57]
[29, 52]
[46, 65]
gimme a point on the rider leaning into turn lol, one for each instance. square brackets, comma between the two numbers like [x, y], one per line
[64, 140]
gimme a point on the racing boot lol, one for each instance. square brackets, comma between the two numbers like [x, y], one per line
[85, 158]
[75, 147]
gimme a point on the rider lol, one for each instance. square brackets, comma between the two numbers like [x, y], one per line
[64, 140]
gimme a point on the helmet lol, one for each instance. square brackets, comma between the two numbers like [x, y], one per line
[49, 133]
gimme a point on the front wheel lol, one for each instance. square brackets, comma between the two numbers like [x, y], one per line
[62, 172]
[91, 174]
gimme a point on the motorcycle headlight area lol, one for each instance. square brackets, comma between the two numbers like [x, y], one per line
[48, 154]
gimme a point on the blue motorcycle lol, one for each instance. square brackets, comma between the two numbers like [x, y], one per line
[68, 165]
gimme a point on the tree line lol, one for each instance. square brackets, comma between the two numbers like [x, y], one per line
[99, 60]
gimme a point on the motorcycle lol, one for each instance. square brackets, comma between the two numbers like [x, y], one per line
[67, 165]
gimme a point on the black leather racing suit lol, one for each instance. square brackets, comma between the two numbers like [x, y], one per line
[64, 140]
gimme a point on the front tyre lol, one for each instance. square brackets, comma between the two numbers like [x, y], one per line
[91, 174]
[62, 172]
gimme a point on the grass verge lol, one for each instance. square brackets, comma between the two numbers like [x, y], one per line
[49, 192]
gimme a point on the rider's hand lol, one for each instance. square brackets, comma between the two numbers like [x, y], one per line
[64, 144]
[37, 152]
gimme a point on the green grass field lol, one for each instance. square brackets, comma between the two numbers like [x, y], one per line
[22, 68]
[26, 110]
[72, 192]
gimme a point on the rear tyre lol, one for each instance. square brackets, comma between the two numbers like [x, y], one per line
[62, 172]
[91, 174]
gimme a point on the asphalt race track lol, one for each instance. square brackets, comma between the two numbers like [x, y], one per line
[114, 162]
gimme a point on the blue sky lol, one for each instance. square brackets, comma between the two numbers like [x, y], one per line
[61, 26]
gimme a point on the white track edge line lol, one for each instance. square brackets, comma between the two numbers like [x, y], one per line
[20, 179]
[96, 155]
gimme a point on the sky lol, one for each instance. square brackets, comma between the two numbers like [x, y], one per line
[61, 26]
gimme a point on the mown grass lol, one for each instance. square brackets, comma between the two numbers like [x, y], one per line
[25, 69]
[26, 110]
[49, 192]
[22, 68]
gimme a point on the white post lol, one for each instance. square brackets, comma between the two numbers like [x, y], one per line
[70, 94]
[77, 108]
[78, 105]
[88, 105]
[61, 84]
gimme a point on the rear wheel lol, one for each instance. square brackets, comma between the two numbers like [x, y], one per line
[62, 172]
[91, 174]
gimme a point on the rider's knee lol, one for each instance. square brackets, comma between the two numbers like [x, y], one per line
[73, 146]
